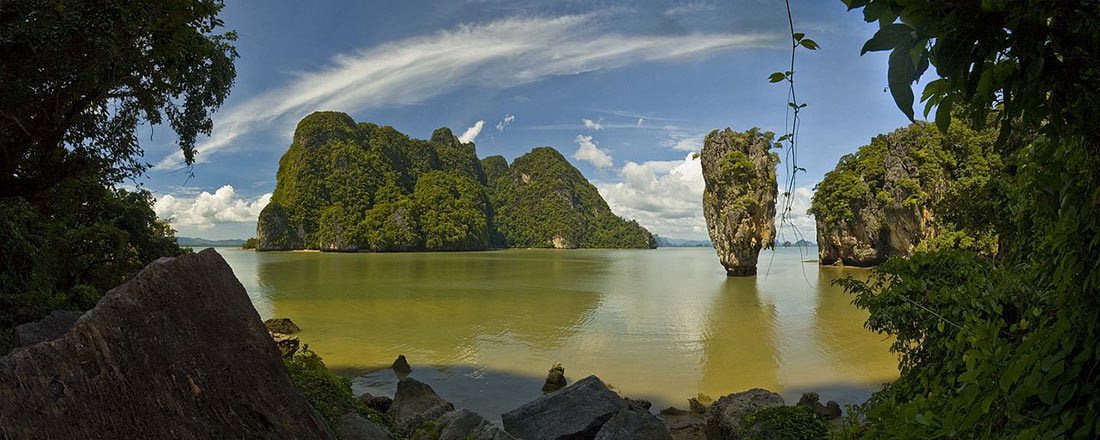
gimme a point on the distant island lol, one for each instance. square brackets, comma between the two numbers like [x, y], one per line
[679, 242]
[345, 186]
[799, 243]
[195, 241]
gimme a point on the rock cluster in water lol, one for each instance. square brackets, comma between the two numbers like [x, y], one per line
[739, 196]
[345, 186]
[176, 351]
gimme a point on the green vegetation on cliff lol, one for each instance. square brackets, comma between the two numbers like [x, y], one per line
[543, 201]
[344, 186]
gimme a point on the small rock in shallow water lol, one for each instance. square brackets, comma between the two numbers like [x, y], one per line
[282, 325]
[555, 379]
[401, 365]
[812, 400]
[696, 406]
[639, 403]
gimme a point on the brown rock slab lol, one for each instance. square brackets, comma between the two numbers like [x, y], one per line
[175, 352]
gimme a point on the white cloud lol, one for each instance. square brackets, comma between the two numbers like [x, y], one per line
[472, 132]
[500, 54]
[680, 139]
[667, 198]
[640, 121]
[689, 8]
[592, 125]
[588, 151]
[507, 120]
[205, 210]
[664, 196]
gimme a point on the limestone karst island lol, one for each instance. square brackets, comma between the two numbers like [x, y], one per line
[642, 220]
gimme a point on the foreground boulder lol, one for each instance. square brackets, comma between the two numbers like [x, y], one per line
[49, 328]
[177, 351]
[723, 418]
[576, 412]
[739, 196]
[377, 403]
[354, 427]
[464, 424]
[633, 423]
[415, 403]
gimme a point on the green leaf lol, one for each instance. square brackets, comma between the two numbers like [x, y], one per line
[798, 36]
[777, 77]
[943, 114]
[900, 76]
[889, 37]
[809, 44]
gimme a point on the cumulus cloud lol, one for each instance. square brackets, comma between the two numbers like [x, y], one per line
[667, 198]
[472, 132]
[507, 120]
[500, 54]
[592, 125]
[588, 151]
[205, 210]
[664, 196]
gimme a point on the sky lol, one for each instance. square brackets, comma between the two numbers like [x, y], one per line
[626, 90]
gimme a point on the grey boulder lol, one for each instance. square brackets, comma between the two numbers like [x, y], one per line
[576, 412]
[415, 403]
[464, 424]
[633, 423]
[724, 416]
[355, 427]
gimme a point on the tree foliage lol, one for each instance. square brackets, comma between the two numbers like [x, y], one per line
[1001, 348]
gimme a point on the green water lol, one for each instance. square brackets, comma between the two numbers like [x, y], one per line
[483, 327]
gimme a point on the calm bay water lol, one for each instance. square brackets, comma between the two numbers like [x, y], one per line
[483, 327]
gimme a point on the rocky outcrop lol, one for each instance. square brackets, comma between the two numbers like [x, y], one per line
[464, 424]
[829, 411]
[880, 202]
[739, 196]
[176, 351]
[377, 403]
[633, 423]
[723, 418]
[353, 426]
[576, 412]
[401, 365]
[555, 379]
[415, 403]
[274, 231]
[282, 325]
[51, 327]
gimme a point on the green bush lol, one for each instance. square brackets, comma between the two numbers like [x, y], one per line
[784, 423]
[328, 393]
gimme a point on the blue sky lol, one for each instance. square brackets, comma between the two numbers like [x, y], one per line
[626, 90]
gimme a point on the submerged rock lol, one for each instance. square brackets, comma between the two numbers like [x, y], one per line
[723, 418]
[739, 196]
[282, 325]
[177, 349]
[633, 423]
[576, 412]
[415, 403]
[354, 427]
[57, 323]
[555, 379]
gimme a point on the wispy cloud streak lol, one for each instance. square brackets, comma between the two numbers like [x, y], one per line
[499, 54]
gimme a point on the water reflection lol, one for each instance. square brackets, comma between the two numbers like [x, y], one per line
[664, 325]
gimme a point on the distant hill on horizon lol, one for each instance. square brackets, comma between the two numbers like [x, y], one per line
[196, 241]
[799, 243]
[679, 242]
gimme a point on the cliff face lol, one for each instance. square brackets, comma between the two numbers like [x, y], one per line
[739, 197]
[346, 186]
[542, 200]
[881, 202]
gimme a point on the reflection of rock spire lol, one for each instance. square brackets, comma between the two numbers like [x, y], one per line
[739, 347]
[739, 198]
